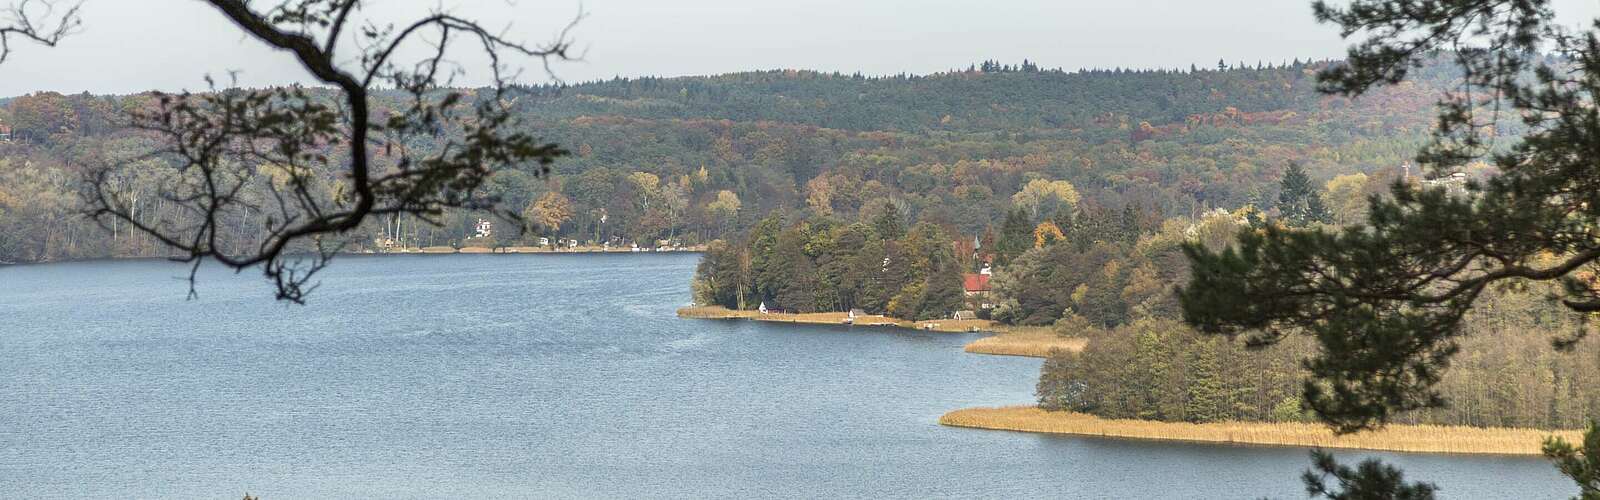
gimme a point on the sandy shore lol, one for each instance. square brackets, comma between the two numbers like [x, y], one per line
[1031, 341]
[1402, 438]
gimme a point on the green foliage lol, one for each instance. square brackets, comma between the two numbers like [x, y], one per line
[1386, 301]
[888, 223]
[1371, 480]
[1102, 272]
[823, 265]
[1582, 465]
[1504, 378]
[727, 149]
[1157, 369]
[1298, 200]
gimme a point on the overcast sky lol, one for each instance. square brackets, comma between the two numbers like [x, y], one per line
[134, 45]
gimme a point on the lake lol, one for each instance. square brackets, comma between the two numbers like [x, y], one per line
[545, 376]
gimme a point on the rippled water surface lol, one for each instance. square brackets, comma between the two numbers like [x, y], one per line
[538, 376]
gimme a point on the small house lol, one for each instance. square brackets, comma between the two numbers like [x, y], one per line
[964, 315]
[484, 229]
[975, 284]
[976, 287]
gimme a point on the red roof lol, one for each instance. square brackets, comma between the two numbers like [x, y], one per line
[973, 282]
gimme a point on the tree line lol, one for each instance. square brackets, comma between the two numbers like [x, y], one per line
[824, 264]
[697, 159]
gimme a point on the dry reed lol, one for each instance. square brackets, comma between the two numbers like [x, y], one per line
[834, 318]
[1035, 342]
[1403, 438]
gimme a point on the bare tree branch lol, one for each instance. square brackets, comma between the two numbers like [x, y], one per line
[39, 21]
[314, 164]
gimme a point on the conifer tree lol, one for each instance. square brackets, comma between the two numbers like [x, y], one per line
[1298, 199]
[1016, 236]
[1581, 464]
[888, 223]
[943, 294]
[1369, 481]
[1205, 390]
[1385, 302]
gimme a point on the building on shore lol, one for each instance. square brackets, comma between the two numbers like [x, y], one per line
[976, 288]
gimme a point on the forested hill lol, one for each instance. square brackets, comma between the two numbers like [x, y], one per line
[969, 101]
[698, 158]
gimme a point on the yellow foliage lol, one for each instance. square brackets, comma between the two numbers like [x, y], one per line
[1046, 233]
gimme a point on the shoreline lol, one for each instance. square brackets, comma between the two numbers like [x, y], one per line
[837, 319]
[1024, 341]
[1432, 439]
[446, 250]
[411, 251]
[1041, 341]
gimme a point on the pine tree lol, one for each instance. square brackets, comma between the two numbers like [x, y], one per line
[791, 275]
[869, 268]
[1385, 302]
[1369, 481]
[1016, 236]
[1299, 202]
[1130, 222]
[943, 294]
[1582, 465]
[888, 224]
[1206, 399]
[763, 239]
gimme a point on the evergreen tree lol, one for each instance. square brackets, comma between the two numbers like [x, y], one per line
[1299, 202]
[869, 268]
[943, 294]
[1386, 302]
[1372, 480]
[1582, 465]
[888, 223]
[719, 279]
[791, 275]
[1130, 223]
[1205, 390]
[840, 266]
[1016, 236]
[763, 271]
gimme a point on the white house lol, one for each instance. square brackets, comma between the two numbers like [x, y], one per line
[484, 229]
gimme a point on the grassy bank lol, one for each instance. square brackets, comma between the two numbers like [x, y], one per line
[1034, 342]
[837, 318]
[1403, 438]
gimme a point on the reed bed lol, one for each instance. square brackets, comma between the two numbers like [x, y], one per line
[714, 312]
[1402, 438]
[1031, 342]
[833, 318]
[948, 325]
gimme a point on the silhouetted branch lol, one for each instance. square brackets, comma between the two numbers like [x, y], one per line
[39, 21]
[267, 153]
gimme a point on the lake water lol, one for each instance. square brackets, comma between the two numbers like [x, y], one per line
[544, 376]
